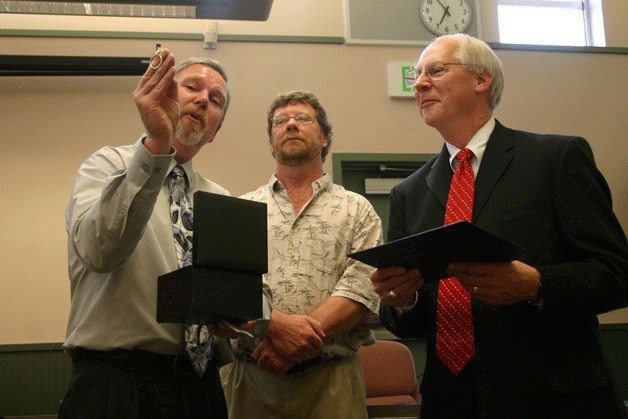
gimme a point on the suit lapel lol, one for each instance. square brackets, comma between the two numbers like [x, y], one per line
[440, 175]
[496, 158]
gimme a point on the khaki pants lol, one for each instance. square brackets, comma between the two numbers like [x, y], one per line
[333, 390]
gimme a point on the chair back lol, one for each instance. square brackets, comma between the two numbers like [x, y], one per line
[389, 374]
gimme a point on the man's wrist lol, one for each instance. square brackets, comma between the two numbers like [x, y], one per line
[537, 297]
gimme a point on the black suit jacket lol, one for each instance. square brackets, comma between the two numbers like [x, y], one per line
[545, 194]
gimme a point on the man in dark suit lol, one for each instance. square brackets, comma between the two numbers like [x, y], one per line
[535, 341]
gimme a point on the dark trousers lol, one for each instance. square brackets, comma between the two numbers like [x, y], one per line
[135, 384]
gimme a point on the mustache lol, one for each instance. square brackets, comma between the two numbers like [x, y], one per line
[193, 112]
[292, 137]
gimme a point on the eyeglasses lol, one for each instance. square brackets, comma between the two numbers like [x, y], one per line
[300, 118]
[433, 71]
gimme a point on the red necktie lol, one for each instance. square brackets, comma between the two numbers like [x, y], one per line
[454, 322]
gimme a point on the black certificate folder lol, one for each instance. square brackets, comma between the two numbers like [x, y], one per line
[433, 250]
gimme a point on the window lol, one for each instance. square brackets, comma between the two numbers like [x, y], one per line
[551, 22]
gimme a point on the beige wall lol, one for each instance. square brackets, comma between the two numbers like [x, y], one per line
[50, 125]
[615, 12]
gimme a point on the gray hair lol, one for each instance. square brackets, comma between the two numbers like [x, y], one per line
[302, 96]
[480, 57]
[213, 64]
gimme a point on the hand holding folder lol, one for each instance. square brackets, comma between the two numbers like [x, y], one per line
[433, 250]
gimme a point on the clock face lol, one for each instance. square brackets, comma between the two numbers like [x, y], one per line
[444, 17]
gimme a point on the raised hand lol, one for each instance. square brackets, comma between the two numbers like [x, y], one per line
[157, 102]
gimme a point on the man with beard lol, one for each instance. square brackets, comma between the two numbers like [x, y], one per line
[121, 239]
[312, 225]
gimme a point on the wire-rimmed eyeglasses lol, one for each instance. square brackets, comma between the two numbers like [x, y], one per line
[433, 71]
[300, 118]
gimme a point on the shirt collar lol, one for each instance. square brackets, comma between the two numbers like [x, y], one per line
[320, 184]
[477, 145]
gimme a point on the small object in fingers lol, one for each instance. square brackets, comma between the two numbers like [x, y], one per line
[157, 59]
[392, 295]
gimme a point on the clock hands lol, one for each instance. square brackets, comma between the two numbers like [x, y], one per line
[446, 11]
[444, 14]
[439, 2]
[446, 8]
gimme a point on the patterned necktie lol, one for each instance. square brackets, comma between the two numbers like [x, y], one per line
[197, 337]
[454, 322]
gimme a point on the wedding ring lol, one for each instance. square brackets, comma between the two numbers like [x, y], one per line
[156, 60]
[392, 295]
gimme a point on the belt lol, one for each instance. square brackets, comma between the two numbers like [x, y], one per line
[304, 366]
[296, 369]
[138, 360]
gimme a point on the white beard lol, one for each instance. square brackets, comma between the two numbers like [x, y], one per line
[188, 133]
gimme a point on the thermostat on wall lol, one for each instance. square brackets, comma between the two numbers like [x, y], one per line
[397, 86]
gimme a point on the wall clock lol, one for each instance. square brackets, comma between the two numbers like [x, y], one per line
[444, 17]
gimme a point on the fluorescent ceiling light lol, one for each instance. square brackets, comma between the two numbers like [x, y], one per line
[191, 9]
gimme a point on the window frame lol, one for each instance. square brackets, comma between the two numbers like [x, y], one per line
[588, 8]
